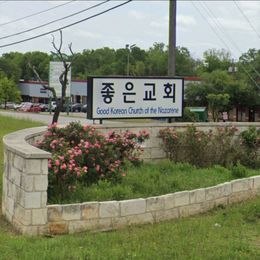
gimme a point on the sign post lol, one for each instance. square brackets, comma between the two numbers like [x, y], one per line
[135, 97]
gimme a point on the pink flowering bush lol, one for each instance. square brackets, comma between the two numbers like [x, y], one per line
[201, 148]
[250, 141]
[81, 154]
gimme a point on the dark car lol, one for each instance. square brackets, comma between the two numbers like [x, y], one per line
[76, 107]
[84, 108]
[44, 107]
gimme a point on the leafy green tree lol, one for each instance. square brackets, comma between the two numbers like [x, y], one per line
[10, 64]
[38, 59]
[249, 71]
[215, 83]
[214, 59]
[185, 64]
[8, 90]
[217, 103]
[157, 60]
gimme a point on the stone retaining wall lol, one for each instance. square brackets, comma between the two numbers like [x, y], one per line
[25, 183]
[153, 147]
[93, 216]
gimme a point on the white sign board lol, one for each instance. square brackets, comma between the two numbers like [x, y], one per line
[134, 97]
[56, 69]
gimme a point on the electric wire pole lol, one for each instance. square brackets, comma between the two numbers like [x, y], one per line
[172, 42]
[172, 38]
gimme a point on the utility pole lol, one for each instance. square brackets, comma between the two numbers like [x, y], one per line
[172, 38]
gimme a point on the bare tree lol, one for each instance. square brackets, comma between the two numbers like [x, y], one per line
[63, 78]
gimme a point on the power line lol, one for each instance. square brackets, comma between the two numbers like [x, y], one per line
[220, 27]
[66, 26]
[230, 39]
[244, 15]
[34, 14]
[213, 29]
[60, 19]
[203, 16]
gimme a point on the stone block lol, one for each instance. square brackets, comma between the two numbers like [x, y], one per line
[23, 215]
[71, 212]
[221, 202]
[44, 166]
[41, 183]
[15, 176]
[109, 209]
[154, 142]
[155, 203]
[18, 162]
[20, 196]
[240, 185]
[169, 201]
[8, 216]
[54, 213]
[39, 216]
[240, 196]
[182, 198]
[10, 205]
[105, 224]
[157, 153]
[197, 196]
[119, 222]
[10, 189]
[132, 207]
[207, 205]
[29, 230]
[194, 209]
[257, 182]
[33, 166]
[58, 228]
[4, 194]
[43, 230]
[146, 154]
[145, 218]
[184, 211]
[7, 163]
[43, 199]
[82, 225]
[168, 214]
[32, 200]
[27, 182]
[218, 191]
[90, 210]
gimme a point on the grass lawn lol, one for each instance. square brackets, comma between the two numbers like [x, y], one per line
[151, 180]
[224, 233]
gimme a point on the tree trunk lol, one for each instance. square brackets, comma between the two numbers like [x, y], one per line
[56, 115]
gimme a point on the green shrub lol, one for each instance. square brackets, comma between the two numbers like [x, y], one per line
[200, 148]
[188, 116]
[239, 171]
[250, 142]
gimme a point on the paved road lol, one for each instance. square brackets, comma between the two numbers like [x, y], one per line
[46, 118]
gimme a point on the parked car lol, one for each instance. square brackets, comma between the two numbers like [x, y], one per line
[84, 108]
[76, 107]
[24, 106]
[35, 108]
[30, 107]
[19, 106]
[44, 107]
[53, 105]
[8, 105]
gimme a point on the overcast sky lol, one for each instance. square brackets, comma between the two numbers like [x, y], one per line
[236, 25]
